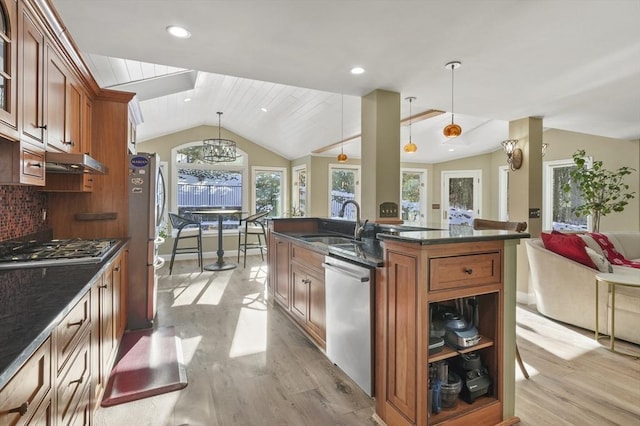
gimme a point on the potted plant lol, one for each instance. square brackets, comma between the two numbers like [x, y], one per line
[602, 191]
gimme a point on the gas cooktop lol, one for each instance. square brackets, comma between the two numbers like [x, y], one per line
[21, 254]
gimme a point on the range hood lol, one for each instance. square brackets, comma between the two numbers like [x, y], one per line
[62, 162]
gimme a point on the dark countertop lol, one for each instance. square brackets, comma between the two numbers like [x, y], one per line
[453, 235]
[33, 301]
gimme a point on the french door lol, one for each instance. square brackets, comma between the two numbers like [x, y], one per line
[413, 191]
[461, 197]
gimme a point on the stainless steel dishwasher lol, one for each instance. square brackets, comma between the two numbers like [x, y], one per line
[348, 296]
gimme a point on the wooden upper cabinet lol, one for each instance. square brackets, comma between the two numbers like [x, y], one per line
[73, 128]
[85, 125]
[8, 69]
[31, 55]
[55, 100]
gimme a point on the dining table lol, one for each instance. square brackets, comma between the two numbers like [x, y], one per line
[219, 264]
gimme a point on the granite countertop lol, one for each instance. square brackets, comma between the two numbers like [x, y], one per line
[453, 235]
[32, 303]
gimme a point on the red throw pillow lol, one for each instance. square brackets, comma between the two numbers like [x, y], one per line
[567, 245]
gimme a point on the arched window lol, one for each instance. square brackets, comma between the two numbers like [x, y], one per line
[198, 185]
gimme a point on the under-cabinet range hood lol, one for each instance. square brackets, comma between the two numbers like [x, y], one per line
[61, 162]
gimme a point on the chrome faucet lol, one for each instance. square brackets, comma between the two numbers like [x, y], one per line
[359, 229]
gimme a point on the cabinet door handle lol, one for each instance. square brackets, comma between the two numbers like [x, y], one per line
[22, 409]
[77, 381]
[75, 324]
[71, 143]
[117, 268]
[468, 271]
[43, 127]
[102, 286]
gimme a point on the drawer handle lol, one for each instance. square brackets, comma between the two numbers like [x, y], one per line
[75, 324]
[22, 409]
[77, 381]
[38, 165]
[468, 271]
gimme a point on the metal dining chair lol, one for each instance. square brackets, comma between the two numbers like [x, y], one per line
[252, 226]
[481, 224]
[188, 229]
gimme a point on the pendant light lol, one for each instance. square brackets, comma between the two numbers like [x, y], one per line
[342, 157]
[452, 130]
[410, 147]
[218, 150]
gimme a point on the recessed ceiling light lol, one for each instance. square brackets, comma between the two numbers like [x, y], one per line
[179, 32]
[451, 149]
[263, 109]
[187, 99]
[357, 70]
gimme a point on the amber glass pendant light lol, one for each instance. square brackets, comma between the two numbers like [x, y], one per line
[342, 157]
[410, 147]
[452, 130]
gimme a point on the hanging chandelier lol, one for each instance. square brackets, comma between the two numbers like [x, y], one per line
[410, 147]
[218, 150]
[452, 130]
[342, 157]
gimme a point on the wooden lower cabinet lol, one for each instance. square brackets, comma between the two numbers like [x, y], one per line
[279, 252]
[62, 382]
[410, 290]
[296, 282]
[307, 301]
[22, 397]
[73, 382]
[107, 322]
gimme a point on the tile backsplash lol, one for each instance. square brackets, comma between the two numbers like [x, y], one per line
[21, 211]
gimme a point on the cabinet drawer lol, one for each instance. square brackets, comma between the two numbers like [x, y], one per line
[464, 271]
[32, 161]
[70, 329]
[20, 398]
[307, 257]
[73, 381]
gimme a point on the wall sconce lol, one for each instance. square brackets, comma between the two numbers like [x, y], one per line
[544, 148]
[514, 154]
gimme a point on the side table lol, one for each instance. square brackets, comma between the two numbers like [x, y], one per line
[613, 280]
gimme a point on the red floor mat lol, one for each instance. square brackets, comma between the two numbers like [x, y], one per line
[149, 362]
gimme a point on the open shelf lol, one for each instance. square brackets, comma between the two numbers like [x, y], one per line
[461, 409]
[449, 352]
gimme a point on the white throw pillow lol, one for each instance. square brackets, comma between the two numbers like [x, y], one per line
[592, 244]
[599, 260]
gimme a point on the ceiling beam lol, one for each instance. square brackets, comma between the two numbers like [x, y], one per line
[424, 115]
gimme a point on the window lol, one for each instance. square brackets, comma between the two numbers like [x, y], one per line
[557, 205]
[269, 190]
[198, 185]
[299, 202]
[344, 184]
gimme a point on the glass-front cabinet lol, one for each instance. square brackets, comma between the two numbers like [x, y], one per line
[8, 55]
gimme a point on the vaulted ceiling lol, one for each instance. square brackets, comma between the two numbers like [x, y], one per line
[576, 65]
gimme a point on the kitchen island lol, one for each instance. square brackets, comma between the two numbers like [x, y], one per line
[415, 269]
[444, 270]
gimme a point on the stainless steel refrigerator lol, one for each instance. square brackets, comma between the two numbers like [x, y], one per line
[146, 209]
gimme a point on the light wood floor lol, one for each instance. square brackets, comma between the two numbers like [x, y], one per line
[247, 365]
